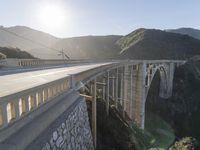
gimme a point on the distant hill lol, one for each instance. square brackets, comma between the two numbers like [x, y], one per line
[88, 47]
[139, 44]
[189, 31]
[43, 45]
[15, 53]
[157, 44]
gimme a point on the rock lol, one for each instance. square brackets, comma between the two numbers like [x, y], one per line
[187, 143]
[55, 135]
[59, 141]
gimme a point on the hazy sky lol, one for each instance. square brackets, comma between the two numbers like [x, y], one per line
[99, 17]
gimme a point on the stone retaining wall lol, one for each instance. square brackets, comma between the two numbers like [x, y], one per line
[71, 131]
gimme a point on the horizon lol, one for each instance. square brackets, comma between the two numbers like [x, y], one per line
[65, 19]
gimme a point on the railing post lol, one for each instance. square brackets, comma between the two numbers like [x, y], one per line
[4, 115]
[17, 115]
[94, 111]
[27, 103]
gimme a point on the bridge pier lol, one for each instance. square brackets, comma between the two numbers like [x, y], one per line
[116, 88]
[166, 86]
[94, 112]
[108, 93]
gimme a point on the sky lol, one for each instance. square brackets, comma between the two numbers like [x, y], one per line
[69, 18]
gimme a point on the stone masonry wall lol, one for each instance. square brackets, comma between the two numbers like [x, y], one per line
[72, 133]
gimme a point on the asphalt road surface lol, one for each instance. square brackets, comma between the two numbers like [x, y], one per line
[13, 83]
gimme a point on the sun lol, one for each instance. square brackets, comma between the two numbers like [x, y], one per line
[53, 17]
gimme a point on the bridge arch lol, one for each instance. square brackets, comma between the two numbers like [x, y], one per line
[164, 79]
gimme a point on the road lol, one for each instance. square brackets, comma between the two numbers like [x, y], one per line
[13, 83]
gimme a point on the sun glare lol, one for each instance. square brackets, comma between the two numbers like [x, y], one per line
[53, 17]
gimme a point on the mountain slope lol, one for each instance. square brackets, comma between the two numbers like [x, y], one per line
[90, 47]
[140, 44]
[27, 39]
[157, 44]
[43, 45]
[188, 31]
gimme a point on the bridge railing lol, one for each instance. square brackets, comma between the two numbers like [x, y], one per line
[10, 62]
[16, 106]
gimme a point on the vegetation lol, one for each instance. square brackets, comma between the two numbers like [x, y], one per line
[15, 53]
[187, 143]
[157, 44]
[139, 44]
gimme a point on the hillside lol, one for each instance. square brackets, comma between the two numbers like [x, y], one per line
[157, 44]
[139, 44]
[15, 53]
[188, 31]
[90, 47]
[23, 37]
[43, 45]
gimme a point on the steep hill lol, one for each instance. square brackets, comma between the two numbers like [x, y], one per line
[157, 44]
[188, 31]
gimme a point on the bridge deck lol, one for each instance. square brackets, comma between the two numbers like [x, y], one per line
[10, 84]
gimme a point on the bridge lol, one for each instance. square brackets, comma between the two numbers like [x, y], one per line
[45, 107]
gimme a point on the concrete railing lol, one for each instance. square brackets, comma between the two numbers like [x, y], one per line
[10, 62]
[29, 62]
[24, 105]
[16, 106]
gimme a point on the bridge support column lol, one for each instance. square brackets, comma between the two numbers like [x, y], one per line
[94, 113]
[171, 77]
[139, 94]
[167, 86]
[104, 89]
[116, 89]
[107, 93]
[131, 94]
[123, 91]
[128, 89]
[113, 87]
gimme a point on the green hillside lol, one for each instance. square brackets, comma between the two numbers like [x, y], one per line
[157, 44]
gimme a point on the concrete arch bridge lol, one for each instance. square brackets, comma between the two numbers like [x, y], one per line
[43, 109]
